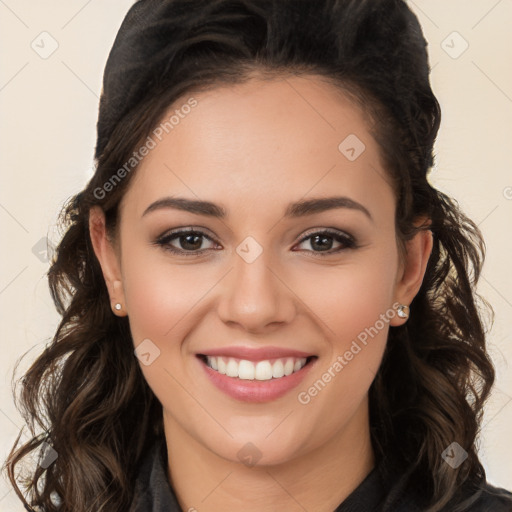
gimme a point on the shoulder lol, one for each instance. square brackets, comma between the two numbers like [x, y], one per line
[406, 494]
[492, 499]
[488, 499]
[152, 490]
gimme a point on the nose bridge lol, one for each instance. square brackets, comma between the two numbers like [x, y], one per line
[255, 296]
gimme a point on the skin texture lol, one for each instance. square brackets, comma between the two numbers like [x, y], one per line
[253, 149]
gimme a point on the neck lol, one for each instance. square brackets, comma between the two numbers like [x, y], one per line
[319, 480]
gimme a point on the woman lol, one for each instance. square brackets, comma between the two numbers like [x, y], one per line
[266, 306]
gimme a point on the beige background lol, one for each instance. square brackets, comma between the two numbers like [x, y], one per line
[47, 131]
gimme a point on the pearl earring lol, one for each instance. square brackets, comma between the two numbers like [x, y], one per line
[403, 311]
[118, 306]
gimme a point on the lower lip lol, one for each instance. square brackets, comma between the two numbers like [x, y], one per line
[256, 390]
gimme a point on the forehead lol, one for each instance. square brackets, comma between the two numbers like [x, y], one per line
[271, 140]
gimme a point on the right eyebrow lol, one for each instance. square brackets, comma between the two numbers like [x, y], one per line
[294, 210]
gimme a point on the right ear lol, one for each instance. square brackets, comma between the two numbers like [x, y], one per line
[108, 258]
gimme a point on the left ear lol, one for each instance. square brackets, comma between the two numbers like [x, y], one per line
[412, 269]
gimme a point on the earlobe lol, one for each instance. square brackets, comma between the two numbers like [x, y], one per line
[108, 260]
[117, 299]
[418, 251]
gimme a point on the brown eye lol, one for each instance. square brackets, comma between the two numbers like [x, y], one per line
[322, 242]
[189, 242]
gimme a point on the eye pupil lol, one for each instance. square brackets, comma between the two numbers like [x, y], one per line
[323, 239]
[189, 242]
[187, 238]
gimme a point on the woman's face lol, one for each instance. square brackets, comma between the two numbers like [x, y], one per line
[263, 288]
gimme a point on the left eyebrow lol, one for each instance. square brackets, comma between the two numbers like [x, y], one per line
[188, 205]
[312, 206]
[294, 210]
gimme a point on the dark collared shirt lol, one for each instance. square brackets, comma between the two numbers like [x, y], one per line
[153, 492]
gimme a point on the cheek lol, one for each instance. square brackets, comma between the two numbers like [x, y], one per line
[159, 294]
[159, 298]
[351, 298]
[354, 303]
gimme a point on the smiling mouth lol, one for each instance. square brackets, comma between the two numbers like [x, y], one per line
[264, 370]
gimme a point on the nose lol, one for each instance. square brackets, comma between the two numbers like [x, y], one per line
[255, 296]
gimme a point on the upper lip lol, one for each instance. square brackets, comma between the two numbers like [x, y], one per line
[255, 354]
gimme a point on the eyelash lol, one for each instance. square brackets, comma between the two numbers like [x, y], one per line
[164, 241]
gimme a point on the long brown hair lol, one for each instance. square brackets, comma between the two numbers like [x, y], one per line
[85, 396]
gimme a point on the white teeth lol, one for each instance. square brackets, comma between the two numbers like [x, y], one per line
[232, 368]
[262, 370]
[245, 370]
[288, 367]
[278, 369]
[220, 364]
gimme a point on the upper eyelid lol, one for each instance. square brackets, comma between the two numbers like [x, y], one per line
[186, 230]
[206, 232]
[308, 234]
[329, 231]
